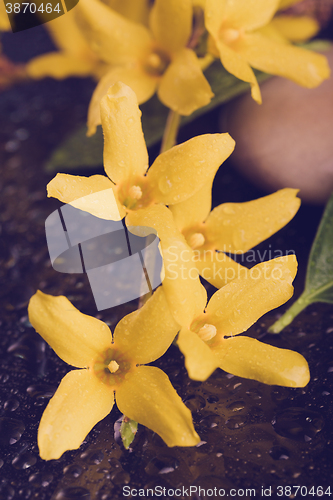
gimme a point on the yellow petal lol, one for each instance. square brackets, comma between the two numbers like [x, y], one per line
[185, 294]
[74, 336]
[95, 194]
[112, 37]
[249, 358]
[238, 66]
[194, 210]
[79, 403]
[217, 268]
[171, 23]
[200, 361]
[146, 334]
[183, 170]
[135, 10]
[237, 227]
[240, 303]
[296, 29]
[59, 66]
[148, 397]
[143, 85]
[183, 86]
[299, 65]
[67, 35]
[247, 14]
[125, 152]
[4, 20]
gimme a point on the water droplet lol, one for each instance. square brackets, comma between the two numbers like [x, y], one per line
[11, 430]
[114, 463]
[236, 406]
[22, 134]
[24, 461]
[73, 470]
[106, 492]
[41, 391]
[11, 404]
[228, 209]
[25, 493]
[162, 465]
[120, 477]
[31, 348]
[165, 185]
[73, 493]
[212, 399]
[235, 422]
[210, 422]
[254, 394]
[298, 423]
[93, 457]
[195, 402]
[40, 479]
[6, 491]
[279, 453]
[12, 146]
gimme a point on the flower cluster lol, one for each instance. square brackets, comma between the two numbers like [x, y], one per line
[134, 49]
[164, 48]
[173, 197]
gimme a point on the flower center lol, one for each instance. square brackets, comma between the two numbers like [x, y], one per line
[135, 195]
[156, 63]
[207, 332]
[196, 240]
[135, 192]
[229, 35]
[111, 367]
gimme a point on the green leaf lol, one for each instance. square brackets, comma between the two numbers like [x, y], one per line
[128, 430]
[79, 151]
[319, 276]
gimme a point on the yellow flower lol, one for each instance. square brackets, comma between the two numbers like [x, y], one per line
[238, 31]
[110, 368]
[175, 175]
[206, 338]
[231, 228]
[208, 342]
[146, 59]
[75, 58]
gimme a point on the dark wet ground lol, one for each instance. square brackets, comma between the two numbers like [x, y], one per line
[253, 435]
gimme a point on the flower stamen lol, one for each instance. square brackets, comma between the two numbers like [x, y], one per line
[207, 332]
[196, 240]
[156, 63]
[230, 35]
[135, 192]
